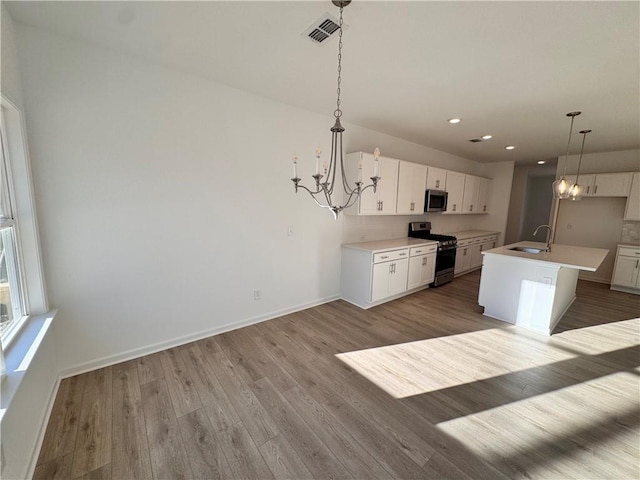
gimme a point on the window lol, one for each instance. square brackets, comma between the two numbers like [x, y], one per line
[12, 305]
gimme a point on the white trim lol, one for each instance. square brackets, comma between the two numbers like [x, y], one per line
[157, 347]
[33, 462]
[27, 237]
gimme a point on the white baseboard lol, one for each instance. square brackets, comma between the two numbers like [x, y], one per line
[175, 342]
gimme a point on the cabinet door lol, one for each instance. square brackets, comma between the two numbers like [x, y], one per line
[388, 186]
[415, 271]
[470, 196]
[632, 211]
[412, 179]
[380, 281]
[626, 272]
[586, 181]
[476, 256]
[429, 269]
[463, 260]
[436, 178]
[611, 185]
[455, 188]
[398, 277]
[368, 204]
[483, 195]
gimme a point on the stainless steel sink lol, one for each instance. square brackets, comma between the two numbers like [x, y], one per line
[528, 249]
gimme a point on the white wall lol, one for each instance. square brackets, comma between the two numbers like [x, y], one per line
[602, 162]
[24, 419]
[166, 198]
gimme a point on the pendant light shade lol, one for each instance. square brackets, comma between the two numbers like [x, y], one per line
[561, 187]
[576, 191]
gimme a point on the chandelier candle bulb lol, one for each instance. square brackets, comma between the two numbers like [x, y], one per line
[318, 152]
[295, 166]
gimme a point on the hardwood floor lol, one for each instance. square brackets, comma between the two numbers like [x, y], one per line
[422, 387]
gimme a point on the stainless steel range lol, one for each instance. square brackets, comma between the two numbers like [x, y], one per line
[446, 256]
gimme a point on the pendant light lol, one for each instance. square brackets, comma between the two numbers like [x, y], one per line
[324, 190]
[561, 187]
[576, 191]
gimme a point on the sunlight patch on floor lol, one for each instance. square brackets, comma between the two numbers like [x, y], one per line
[424, 366]
[589, 427]
[601, 338]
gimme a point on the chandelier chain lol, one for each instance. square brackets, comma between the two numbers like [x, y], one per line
[338, 112]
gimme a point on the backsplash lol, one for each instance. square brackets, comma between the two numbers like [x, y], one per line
[383, 227]
[630, 232]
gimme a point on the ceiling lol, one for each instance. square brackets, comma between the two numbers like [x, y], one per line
[510, 69]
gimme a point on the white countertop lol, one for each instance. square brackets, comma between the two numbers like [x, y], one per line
[581, 258]
[394, 243]
[463, 235]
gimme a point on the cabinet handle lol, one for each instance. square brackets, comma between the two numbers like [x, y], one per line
[381, 205]
[437, 183]
[588, 187]
[464, 253]
[484, 208]
[454, 207]
[384, 256]
[402, 254]
[637, 262]
[471, 208]
[595, 189]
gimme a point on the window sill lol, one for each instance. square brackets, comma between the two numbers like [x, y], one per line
[20, 353]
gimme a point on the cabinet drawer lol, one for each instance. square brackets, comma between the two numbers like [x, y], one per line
[465, 242]
[390, 255]
[629, 252]
[423, 250]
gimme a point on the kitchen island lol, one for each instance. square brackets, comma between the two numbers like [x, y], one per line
[524, 285]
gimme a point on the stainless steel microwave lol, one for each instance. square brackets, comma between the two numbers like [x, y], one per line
[435, 201]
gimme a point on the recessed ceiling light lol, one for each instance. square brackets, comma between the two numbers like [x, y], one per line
[487, 137]
[510, 147]
[541, 162]
[454, 120]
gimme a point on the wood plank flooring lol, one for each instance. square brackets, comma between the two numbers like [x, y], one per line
[421, 387]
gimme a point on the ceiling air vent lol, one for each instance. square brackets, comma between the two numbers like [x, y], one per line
[323, 28]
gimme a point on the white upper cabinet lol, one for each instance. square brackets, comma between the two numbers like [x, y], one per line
[611, 185]
[470, 197]
[483, 195]
[604, 184]
[436, 178]
[383, 200]
[467, 193]
[412, 178]
[455, 189]
[632, 211]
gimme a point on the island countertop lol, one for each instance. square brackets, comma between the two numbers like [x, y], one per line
[581, 258]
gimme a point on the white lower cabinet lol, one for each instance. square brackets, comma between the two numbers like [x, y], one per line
[389, 278]
[469, 252]
[422, 267]
[626, 273]
[372, 275]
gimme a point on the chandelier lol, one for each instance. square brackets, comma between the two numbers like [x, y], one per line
[325, 182]
[561, 187]
[576, 191]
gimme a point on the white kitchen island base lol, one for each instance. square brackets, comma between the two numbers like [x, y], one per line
[533, 290]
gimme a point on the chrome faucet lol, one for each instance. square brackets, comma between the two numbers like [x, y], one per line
[548, 249]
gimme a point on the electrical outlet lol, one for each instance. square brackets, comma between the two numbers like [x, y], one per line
[569, 226]
[257, 295]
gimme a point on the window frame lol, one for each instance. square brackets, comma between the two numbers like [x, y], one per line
[32, 292]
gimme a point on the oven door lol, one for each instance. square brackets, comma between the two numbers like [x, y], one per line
[445, 266]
